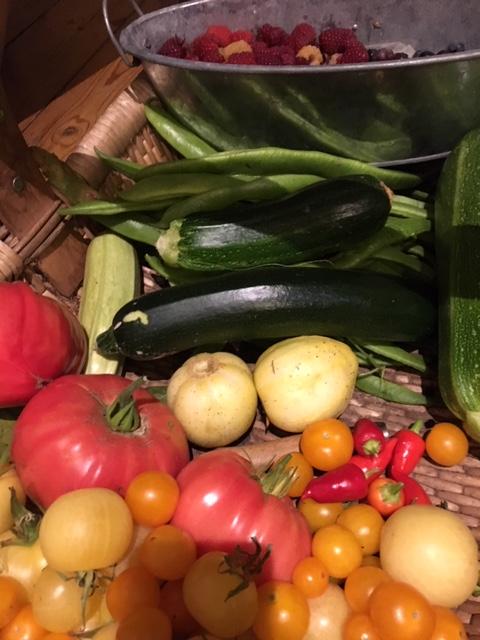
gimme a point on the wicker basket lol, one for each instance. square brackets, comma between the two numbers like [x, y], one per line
[122, 130]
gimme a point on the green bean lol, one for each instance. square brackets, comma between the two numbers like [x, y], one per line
[390, 391]
[412, 262]
[177, 185]
[105, 208]
[181, 139]
[270, 188]
[395, 231]
[275, 160]
[125, 167]
[408, 207]
[397, 355]
[137, 229]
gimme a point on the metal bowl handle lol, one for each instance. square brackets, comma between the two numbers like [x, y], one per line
[128, 61]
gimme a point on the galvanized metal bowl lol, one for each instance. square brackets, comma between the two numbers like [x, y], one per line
[389, 112]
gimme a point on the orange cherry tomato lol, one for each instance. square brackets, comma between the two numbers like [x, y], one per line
[366, 525]
[359, 627]
[311, 577]
[168, 552]
[283, 612]
[447, 625]
[133, 588]
[23, 627]
[303, 473]
[172, 602]
[152, 498]
[57, 636]
[145, 624]
[12, 598]
[319, 514]
[338, 549]
[371, 561]
[400, 612]
[447, 444]
[327, 444]
[360, 585]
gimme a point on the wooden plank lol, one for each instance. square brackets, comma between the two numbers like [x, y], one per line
[24, 14]
[45, 57]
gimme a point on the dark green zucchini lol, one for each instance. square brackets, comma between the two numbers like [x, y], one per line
[314, 223]
[268, 303]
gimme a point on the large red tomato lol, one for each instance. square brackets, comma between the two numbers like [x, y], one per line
[65, 440]
[40, 340]
[222, 505]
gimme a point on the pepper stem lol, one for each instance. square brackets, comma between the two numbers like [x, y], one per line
[372, 447]
[122, 414]
[417, 427]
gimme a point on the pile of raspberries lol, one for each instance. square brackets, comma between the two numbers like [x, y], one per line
[270, 45]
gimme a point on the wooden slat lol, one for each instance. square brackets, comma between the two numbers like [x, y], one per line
[23, 13]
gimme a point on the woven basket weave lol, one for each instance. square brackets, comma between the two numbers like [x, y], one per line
[122, 131]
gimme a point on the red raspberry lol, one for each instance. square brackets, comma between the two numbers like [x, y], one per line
[273, 36]
[258, 46]
[335, 40]
[174, 48]
[207, 50]
[220, 34]
[354, 53]
[202, 43]
[302, 35]
[245, 57]
[242, 35]
[286, 53]
[269, 57]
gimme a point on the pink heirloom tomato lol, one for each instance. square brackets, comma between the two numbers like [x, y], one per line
[40, 340]
[69, 437]
[222, 504]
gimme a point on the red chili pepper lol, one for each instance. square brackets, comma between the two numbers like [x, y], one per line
[345, 484]
[374, 466]
[386, 495]
[368, 438]
[409, 450]
[414, 492]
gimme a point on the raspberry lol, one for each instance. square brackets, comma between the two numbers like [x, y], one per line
[354, 53]
[242, 58]
[269, 57]
[174, 48]
[273, 36]
[286, 54]
[220, 34]
[241, 35]
[207, 50]
[335, 40]
[302, 35]
[203, 43]
[258, 46]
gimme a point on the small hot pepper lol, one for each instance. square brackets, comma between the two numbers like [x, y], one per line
[374, 466]
[368, 438]
[409, 451]
[414, 492]
[386, 495]
[345, 484]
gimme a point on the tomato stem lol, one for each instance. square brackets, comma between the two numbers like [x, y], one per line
[122, 414]
[26, 523]
[278, 479]
[245, 565]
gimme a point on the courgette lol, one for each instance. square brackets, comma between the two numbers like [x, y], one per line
[111, 280]
[457, 231]
[313, 223]
[268, 303]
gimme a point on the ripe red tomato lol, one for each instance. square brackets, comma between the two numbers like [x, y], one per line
[222, 505]
[65, 428]
[40, 340]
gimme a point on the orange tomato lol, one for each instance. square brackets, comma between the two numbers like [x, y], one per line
[145, 624]
[366, 525]
[319, 514]
[184, 625]
[447, 625]
[57, 636]
[311, 577]
[168, 552]
[400, 612]
[283, 612]
[338, 549]
[360, 585]
[23, 627]
[446, 444]
[327, 444]
[152, 498]
[371, 561]
[12, 598]
[303, 473]
[133, 588]
[360, 627]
